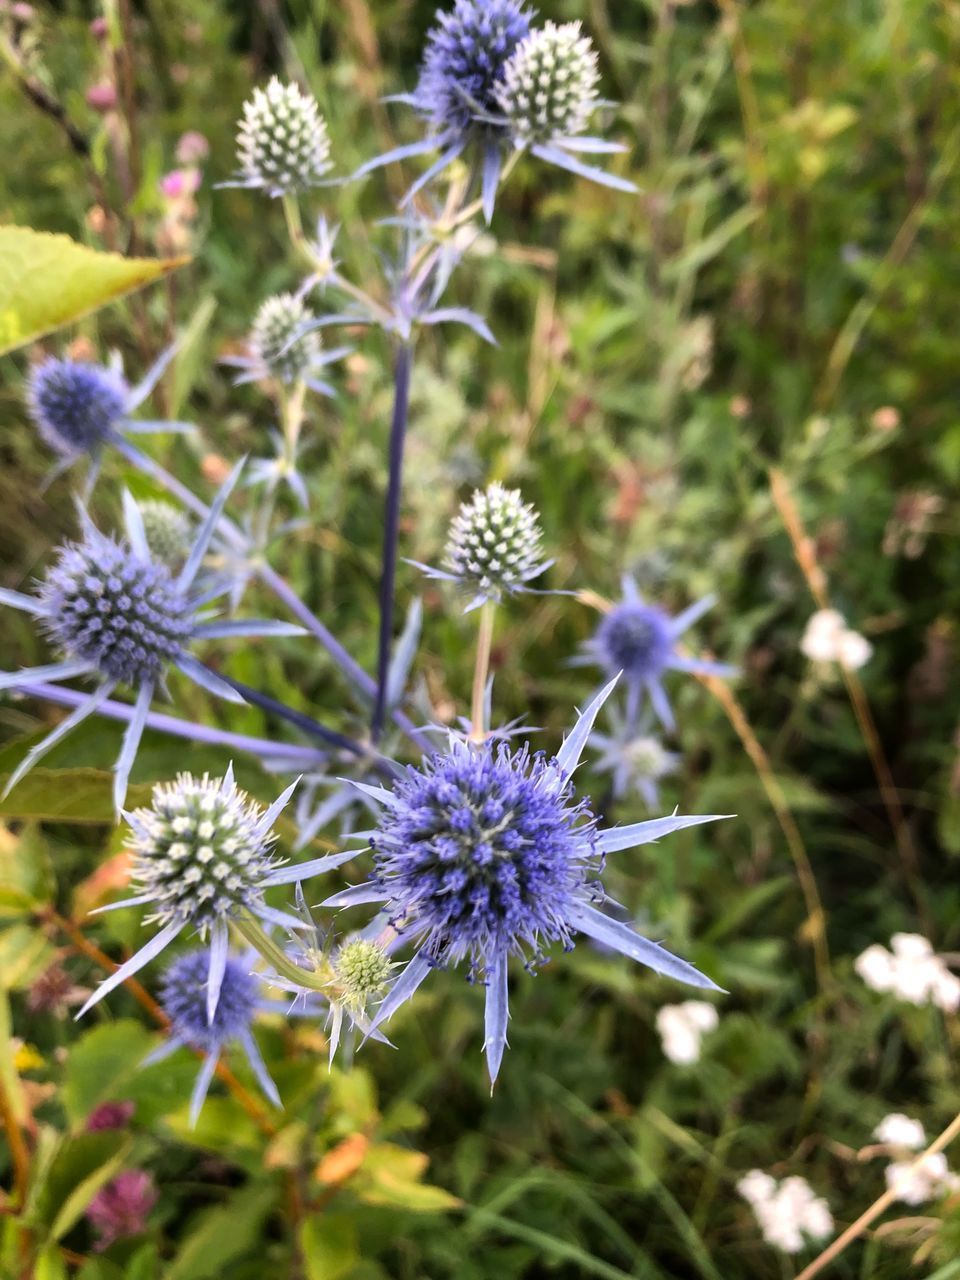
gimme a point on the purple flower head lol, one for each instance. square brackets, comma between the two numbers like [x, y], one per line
[642, 641]
[75, 406]
[636, 639]
[183, 998]
[118, 615]
[485, 852]
[78, 408]
[467, 51]
[122, 1207]
[119, 611]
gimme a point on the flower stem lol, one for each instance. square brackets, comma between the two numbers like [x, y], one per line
[879, 1205]
[391, 529]
[189, 729]
[320, 980]
[481, 671]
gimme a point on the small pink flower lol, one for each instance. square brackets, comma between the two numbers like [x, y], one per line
[179, 183]
[102, 97]
[122, 1207]
[192, 148]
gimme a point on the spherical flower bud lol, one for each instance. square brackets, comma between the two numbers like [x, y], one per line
[75, 406]
[183, 998]
[277, 339]
[464, 62]
[362, 970]
[282, 141]
[102, 97]
[200, 852]
[549, 87]
[108, 606]
[168, 530]
[494, 542]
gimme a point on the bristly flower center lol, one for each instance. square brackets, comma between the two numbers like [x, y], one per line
[485, 851]
[636, 639]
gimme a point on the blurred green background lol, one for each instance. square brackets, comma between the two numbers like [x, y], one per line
[782, 294]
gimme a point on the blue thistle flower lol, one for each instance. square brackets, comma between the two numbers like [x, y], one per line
[640, 640]
[117, 615]
[78, 408]
[637, 759]
[184, 1001]
[484, 852]
[466, 52]
[490, 81]
[203, 858]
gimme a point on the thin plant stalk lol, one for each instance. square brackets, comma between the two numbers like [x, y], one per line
[481, 671]
[391, 529]
[879, 1206]
[805, 553]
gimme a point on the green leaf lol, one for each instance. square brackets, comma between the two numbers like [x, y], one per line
[47, 281]
[26, 873]
[24, 954]
[699, 254]
[9, 1079]
[391, 1176]
[82, 1165]
[222, 1235]
[329, 1247]
[49, 1265]
[67, 795]
[99, 1065]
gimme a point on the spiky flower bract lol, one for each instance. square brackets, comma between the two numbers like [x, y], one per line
[493, 548]
[466, 53]
[74, 405]
[168, 530]
[641, 641]
[282, 141]
[183, 998]
[117, 615]
[463, 65]
[484, 852]
[549, 85]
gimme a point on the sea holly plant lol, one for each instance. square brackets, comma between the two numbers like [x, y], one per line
[476, 848]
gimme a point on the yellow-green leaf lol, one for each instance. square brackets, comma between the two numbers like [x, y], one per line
[47, 281]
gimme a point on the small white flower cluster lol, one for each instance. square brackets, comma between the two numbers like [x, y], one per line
[282, 142]
[681, 1028]
[549, 87]
[494, 542]
[277, 338]
[911, 970]
[789, 1212]
[914, 1181]
[827, 638]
